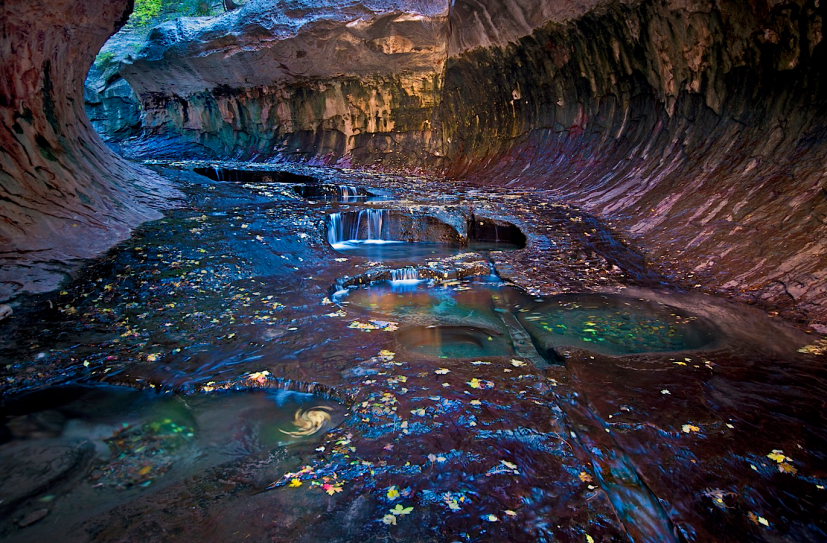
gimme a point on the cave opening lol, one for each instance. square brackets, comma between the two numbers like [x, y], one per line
[413, 270]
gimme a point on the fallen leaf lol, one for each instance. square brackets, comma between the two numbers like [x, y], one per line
[400, 509]
[779, 456]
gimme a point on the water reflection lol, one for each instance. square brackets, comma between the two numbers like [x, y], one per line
[90, 448]
[616, 325]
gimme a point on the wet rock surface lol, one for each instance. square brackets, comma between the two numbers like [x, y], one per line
[694, 126]
[235, 290]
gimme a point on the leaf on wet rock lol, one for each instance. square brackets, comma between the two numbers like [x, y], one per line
[491, 518]
[687, 428]
[390, 520]
[259, 377]
[442, 371]
[817, 348]
[779, 456]
[400, 510]
[332, 488]
[784, 467]
[758, 519]
[517, 363]
[295, 483]
[393, 493]
[363, 326]
[585, 477]
[480, 383]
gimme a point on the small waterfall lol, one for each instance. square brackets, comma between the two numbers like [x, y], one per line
[374, 220]
[405, 274]
[367, 225]
[348, 191]
[405, 280]
[335, 232]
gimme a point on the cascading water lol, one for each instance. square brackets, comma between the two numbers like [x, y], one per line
[405, 279]
[349, 193]
[408, 273]
[367, 226]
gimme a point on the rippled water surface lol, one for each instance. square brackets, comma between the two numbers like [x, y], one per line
[230, 373]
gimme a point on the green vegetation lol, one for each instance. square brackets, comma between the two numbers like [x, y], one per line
[146, 11]
[104, 60]
[152, 12]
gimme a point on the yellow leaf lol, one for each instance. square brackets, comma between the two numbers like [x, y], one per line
[779, 456]
[295, 483]
[690, 428]
[393, 493]
[784, 467]
[585, 477]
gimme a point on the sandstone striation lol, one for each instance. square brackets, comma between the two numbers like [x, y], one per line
[332, 81]
[63, 194]
[698, 127]
[695, 125]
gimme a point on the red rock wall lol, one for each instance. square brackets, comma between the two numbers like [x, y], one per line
[697, 127]
[63, 194]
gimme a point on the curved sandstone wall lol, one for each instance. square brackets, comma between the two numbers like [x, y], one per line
[697, 126]
[63, 195]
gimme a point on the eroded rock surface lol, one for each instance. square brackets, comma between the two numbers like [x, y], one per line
[358, 80]
[63, 194]
[697, 126]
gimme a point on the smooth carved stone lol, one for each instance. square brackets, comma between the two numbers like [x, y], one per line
[39, 465]
[65, 196]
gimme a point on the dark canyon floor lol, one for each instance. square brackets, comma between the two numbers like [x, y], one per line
[519, 373]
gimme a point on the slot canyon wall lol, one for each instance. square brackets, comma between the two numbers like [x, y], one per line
[333, 82]
[697, 127]
[64, 195]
